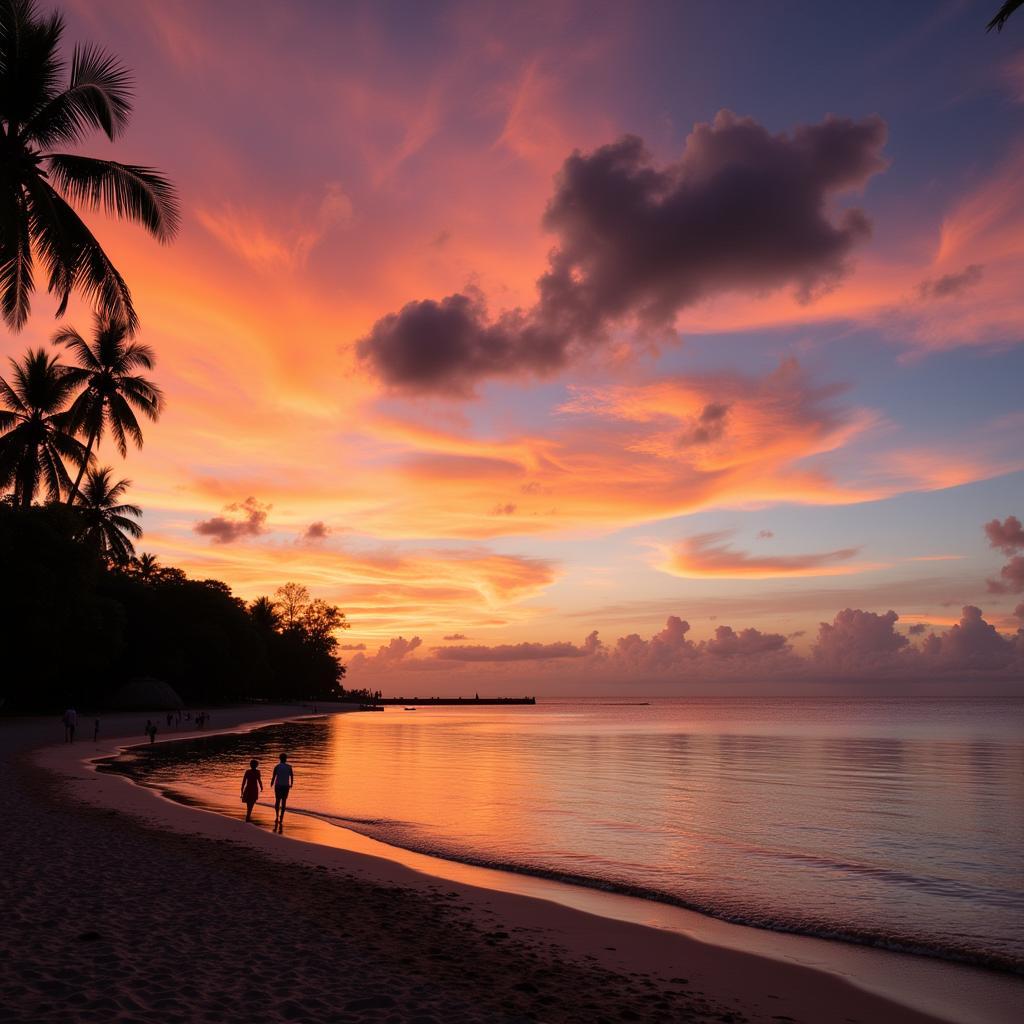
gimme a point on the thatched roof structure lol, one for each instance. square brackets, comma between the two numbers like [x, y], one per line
[144, 693]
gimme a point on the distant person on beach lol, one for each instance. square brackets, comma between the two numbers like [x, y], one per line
[252, 784]
[282, 780]
[95, 730]
[151, 730]
[70, 721]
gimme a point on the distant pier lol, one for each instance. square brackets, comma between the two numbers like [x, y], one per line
[431, 701]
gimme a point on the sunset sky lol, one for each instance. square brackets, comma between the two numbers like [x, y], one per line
[501, 324]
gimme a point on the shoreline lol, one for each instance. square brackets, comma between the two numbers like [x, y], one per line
[783, 975]
[564, 888]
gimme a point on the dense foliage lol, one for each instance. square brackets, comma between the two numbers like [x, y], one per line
[75, 627]
[80, 614]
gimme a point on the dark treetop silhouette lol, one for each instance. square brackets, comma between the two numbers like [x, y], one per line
[44, 105]
[111, 391]
[108, 524]
[36, 431]
[116, 622]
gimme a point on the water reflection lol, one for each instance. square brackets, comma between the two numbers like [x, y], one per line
[892, 821]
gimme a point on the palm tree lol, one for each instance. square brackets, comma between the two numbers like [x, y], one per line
[111, 389]
[265, 615]
[1003, 15]
[36, 433]
[38, 185]
[107, 523]
[146, 566]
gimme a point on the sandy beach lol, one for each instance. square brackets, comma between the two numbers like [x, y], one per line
[123, 906]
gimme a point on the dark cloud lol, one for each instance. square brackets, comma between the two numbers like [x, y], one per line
[917, 629]
[950, 284]
[446, 346]
[665, 651]
[765, 534]
[316, 531]
[510, 652]
[455, 636]
[507, 509]
[857, 641]
[353, 647]
[246, 519]
[972, 644]
[1006, 536]
[1011, 579]
[728, 643]
[388, 655]
[709, 426]
[742, 210]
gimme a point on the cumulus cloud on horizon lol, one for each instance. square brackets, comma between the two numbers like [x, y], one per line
[857, 645]
[741, 210]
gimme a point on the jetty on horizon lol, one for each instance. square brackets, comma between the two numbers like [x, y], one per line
[421, 701]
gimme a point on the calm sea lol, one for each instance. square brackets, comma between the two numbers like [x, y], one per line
[891, 822]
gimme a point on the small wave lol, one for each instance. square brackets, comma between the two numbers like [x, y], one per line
[862, 937]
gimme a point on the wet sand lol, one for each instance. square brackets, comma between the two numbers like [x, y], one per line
[123, 906]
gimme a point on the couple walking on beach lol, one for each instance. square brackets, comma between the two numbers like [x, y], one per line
[282, 780]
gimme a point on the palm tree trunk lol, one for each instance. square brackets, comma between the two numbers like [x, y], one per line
[81, 469]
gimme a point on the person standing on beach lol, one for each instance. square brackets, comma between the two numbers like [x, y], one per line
[95, 730]
[70, 721]
[252, 783]
[282, 780]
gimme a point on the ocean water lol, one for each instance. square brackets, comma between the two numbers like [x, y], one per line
[897, 823]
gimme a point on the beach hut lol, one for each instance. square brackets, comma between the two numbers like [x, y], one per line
[144, 693]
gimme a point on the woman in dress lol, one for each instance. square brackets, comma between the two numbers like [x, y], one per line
[252, 783]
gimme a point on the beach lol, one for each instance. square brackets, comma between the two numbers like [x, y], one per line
[125, 906]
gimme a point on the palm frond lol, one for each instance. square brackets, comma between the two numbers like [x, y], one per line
[30, 64]
[54, 472]
[16, 278]
[124, 524]
[98, 97]
[53, 248]
[137, 354]
[123, 424]
[73, 257]
[1003, 15]
[143, 395]
[139, 194]
[10, 397]
[70, 338]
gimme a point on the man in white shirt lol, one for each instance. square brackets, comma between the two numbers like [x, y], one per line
[282, 780]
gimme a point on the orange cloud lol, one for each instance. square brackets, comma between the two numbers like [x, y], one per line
[380, 588]
[707, 555]
[244, 233]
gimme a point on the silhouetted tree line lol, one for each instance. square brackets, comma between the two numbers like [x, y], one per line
[75, 626]
[79, 613]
